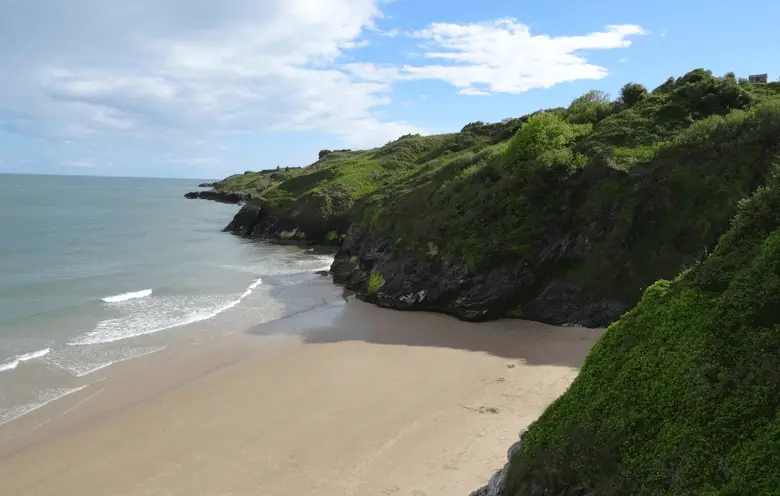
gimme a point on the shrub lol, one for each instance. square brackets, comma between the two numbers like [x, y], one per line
[632, 93]
[375, 282]
[544, 139]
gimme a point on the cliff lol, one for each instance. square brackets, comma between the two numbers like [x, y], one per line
[682, 394]
[220, 196]
[562, 216]
[586, 215]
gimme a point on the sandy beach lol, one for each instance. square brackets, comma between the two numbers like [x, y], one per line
[347, 399]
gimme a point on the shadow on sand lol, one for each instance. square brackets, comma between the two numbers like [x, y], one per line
[352, 320]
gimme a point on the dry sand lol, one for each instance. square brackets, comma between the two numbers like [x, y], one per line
[360, 401]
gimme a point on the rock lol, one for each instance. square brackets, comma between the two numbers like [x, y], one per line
[561, 303]
[514, 449]
[533, 288]
[220, 196]
[322, 273]
[495, 486]
[247, 220]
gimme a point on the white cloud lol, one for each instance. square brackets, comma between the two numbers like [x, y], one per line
[474, 92]
[504, 57]
[184, 71]
[390, 33]
[146, 67]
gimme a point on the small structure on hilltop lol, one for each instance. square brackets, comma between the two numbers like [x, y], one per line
[758, 78]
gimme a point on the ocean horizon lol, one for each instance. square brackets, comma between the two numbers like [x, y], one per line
[102, 270]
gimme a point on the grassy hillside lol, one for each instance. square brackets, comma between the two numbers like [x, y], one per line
[600, 198]
[335, 189]
[681, 395]
[573, 215]
[255, 183]
[631, 131]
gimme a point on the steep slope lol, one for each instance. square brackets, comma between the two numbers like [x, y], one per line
[318, 203]
[563, 216]
[681, 395]
[569, 221]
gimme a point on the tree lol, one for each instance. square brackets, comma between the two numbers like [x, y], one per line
[632, 93]
[324, 153]
[591, 107]
[544, 139]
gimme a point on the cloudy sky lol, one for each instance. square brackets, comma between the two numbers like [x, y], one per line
[205, 88]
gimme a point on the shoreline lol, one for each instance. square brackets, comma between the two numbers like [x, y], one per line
[346, 398]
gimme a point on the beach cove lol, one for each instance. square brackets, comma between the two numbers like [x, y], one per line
[342, 399]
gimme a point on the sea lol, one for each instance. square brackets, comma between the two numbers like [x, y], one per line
[97, 271]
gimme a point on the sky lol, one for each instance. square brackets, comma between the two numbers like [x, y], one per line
[207, 88]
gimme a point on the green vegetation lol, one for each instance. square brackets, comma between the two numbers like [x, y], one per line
[375, 282]
[255, 182]
[685, 171]
[684, 154]
[681, 395]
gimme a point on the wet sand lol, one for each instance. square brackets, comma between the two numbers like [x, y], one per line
[347, 399]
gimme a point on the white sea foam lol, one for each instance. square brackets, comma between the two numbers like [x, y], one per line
[42, 399]
[286, 266]
[26, 357]
[163, 314]
[127, 296]
[9, 365]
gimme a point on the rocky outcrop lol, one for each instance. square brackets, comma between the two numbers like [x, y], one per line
[259, 222]
[208, 185]
[533, 289]
[247, 221]
[497, 484]
[220, 196]
[411, 283]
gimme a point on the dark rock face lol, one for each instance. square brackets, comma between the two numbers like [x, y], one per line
[532, 289]
[449, 287]
[246, 221]
[494, 487]
[562, 303]
[256, 221]
[497, 484]
[220, 196]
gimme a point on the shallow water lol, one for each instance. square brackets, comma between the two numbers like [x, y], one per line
[98, 271]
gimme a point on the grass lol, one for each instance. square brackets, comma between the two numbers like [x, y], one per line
[494, 194]
[681, 395]
[375, 282]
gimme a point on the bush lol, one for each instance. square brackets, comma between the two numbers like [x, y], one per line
[591, 107]
[375, 282]
[545, 139]
[632, 93]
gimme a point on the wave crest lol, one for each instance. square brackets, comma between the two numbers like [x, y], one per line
[26, 357]
[127, 296]
[164, 314]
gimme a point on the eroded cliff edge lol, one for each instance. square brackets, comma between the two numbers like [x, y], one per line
[564, 216]
[572, 215]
